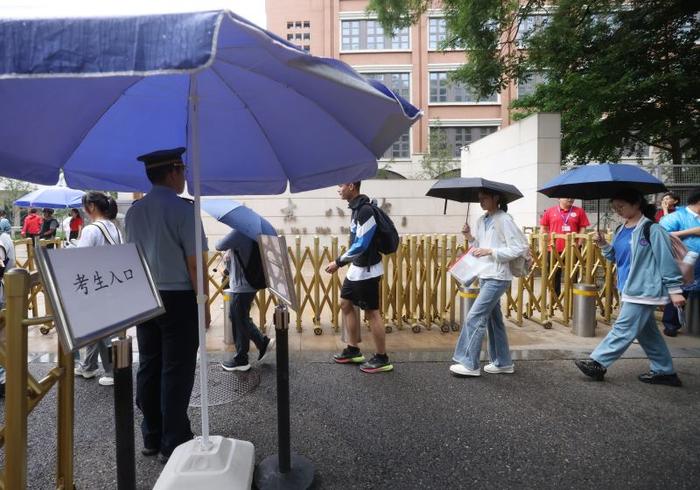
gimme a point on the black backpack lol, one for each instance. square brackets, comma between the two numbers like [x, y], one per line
[253, 269]
[386, 237]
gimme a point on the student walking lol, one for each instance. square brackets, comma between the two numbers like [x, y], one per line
[361, 285]
[497, 240]
[101, 209]
[647, 276]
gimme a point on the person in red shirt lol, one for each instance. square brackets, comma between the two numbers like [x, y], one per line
[76, 224]
[32, 225]
[668, 205]
[564, 218]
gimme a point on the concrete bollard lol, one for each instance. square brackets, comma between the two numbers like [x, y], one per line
[584, 320]
[228, 328]
[467, 296]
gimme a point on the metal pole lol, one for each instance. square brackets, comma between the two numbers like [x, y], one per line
[201, 297]
[284, 470]
[281, 321]
[124, 413]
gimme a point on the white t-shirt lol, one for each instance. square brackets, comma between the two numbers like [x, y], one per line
[92, 236]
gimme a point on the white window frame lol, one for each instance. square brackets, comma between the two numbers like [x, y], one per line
[361, 15]
[463, 123]
[449, 68]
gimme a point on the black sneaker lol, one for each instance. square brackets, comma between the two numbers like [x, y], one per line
[670, 332]
[592, 369]
[2, 390]
[266, 349]
[378, 364]
[235, 366]
[350, 355]
[660, 379]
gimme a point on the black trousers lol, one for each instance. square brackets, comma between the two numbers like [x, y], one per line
[244, 329]
[167, 359]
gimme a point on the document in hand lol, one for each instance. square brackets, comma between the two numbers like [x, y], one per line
[467, 268]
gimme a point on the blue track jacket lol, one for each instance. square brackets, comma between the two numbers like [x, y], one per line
[653, 271]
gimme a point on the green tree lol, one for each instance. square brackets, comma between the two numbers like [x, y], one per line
[12, 190]
[621, 73]
[439, 158]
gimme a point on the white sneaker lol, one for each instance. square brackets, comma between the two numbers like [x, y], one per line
[460, 370]
[80, 371]
[106, 381]
[493, 369]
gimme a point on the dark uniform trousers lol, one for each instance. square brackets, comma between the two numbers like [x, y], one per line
[167, 360]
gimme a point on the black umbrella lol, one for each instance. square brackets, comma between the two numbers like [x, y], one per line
[466, 189]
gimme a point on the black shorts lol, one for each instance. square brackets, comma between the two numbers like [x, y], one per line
[364, 294]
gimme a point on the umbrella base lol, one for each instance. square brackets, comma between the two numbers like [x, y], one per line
[228, 464]
[300, 475]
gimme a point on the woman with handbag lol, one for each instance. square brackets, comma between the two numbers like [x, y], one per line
[101, 209]
[499, 241]
[647, 277]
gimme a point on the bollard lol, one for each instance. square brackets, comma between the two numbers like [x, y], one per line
[467, 296]
[285, 470]
[692, 313]
[584, 318]
[228, 328]
[124, 412]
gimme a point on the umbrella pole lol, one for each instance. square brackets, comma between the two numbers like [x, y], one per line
[598, 222]
[201, 297]
[444, 211]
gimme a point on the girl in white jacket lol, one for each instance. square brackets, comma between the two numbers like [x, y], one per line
[497, 240]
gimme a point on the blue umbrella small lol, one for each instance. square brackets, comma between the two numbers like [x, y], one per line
[239, 217]
[56, 197]
[601, 182]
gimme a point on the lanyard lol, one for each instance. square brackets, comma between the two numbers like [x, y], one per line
[561, 215]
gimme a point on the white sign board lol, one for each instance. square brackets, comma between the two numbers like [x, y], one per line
[97, 291]
[278, 273]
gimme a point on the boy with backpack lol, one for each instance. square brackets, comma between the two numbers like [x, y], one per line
[246, 277]
[371, 234]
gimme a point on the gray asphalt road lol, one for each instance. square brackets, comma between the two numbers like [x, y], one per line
[418, 427]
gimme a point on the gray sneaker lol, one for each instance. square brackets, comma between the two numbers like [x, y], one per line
[85, 373]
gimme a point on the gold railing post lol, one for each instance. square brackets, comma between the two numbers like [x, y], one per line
[64, 450]
[568, 286]
[590, 260]
[16, 287]
[544, 242]
[317, 282]
[297, 279]
[399, 275]
[443, 278]
[335, 293]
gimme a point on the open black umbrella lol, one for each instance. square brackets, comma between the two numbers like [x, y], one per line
[466, 189]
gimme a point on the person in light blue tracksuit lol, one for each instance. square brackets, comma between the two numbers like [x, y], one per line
[647, 277]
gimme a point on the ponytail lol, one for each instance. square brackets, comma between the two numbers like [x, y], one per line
[104, 203]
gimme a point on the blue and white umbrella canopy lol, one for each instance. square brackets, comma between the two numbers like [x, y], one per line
[87, 95]
[239, 217]
[56, 197]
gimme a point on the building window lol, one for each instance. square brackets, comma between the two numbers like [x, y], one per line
[437, 32]
[297, 24]
[443, 90]
[455, 137]
[307, 35]
[529, 25]
[529, 85]
[307, 48]
[297, 36]
[290, 25]
[307, 24]
[290, 37]
[401, 149]
[370, 35]
[399, 83]
[351, 35]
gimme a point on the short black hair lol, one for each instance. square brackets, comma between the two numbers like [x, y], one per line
[157, 175]
[694, 196]
[672, 195]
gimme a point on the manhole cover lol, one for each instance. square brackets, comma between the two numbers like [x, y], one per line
[224, 387]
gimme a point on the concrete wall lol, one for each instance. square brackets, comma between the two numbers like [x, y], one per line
[526, 154]
[322, 213]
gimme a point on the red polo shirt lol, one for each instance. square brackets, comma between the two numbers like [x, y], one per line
[559, 221]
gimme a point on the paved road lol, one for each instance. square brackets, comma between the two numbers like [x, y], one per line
[418, 427]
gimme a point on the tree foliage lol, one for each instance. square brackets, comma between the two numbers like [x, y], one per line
[621, 73]
[439, 158]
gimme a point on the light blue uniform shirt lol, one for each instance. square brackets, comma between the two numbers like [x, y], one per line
[682, 219]
[162, 224]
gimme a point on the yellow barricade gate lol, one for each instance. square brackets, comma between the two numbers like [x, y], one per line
[24, 392]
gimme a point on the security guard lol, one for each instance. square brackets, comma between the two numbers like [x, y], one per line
[163, 225]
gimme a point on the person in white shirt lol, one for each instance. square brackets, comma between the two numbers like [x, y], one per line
[101, 209]
[497, 240]
[7, 262]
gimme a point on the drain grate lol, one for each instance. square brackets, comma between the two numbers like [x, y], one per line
[224, 387]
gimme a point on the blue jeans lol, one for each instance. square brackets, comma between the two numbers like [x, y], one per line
[635, 321]
[484, 314]
[244, 330]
